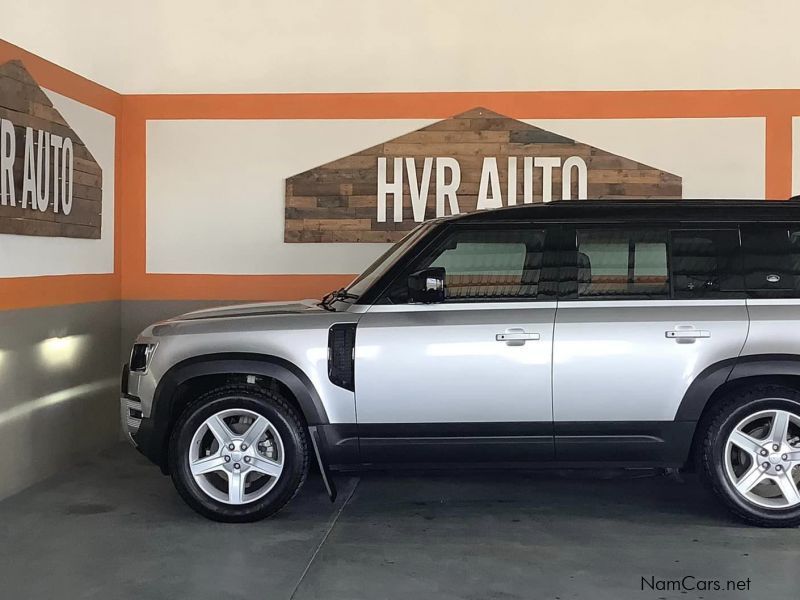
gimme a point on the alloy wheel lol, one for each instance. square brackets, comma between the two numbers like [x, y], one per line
[762, 459]
[236, 456]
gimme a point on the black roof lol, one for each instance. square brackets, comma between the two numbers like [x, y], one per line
[709, 211]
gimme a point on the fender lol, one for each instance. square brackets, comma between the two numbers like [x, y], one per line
[153, 434]
[730, 370]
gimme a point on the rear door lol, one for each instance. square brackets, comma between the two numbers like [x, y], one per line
[646, 310]
[771, 255]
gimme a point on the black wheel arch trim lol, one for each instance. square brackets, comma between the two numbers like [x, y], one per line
[153, 440]
[718, 374]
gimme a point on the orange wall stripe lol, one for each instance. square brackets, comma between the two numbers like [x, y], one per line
[35, 292]
[779, 156]
[133, 205]
[119, 192]
[435, 105]
[62, 81]
[232, 287]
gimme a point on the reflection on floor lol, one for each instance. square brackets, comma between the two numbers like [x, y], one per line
[115, 528]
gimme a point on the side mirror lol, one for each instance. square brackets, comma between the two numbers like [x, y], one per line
[427, 286]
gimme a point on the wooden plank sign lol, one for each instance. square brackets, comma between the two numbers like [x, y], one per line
[50, 184]
[476, 160]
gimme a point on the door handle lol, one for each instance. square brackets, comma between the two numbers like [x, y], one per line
[688, 333]
[516, 338]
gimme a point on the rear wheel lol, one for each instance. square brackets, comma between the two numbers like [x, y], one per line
[238, 454]
[751, 455]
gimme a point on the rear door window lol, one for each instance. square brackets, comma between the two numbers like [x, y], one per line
[706, 263]
[653, 263]
[771, 260]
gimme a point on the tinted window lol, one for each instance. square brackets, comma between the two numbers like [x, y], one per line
[706, 264]
[771, 260]
[622, 264]
[483, 265]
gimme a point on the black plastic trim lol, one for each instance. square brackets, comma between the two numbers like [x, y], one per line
[455, 442]
[760, 365]
[340, 443]
[124, 378]
[469, 429]
[341, 355]
[319, 452]
[664, 443]
[513, 444]
[148, 442]
[642, 211]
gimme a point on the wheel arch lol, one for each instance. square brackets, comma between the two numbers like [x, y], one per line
[720, 380]
[187, 379]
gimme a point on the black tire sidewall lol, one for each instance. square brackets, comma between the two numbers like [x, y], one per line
[294, 448]
[788, 400]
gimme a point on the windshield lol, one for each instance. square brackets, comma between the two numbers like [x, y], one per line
[384, 262]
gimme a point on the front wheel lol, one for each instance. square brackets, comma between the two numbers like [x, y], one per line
[751, 455]
[238, 454]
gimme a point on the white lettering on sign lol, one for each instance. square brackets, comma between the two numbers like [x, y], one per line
[448, 180]
[8, 150]
[46, 158]
[489, 178]
[444, 188]
[419, 195]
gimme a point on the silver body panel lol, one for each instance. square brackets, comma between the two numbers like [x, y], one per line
[444, 363]
[774, 327]
[592, 361]
[297, 333]
[613, 360]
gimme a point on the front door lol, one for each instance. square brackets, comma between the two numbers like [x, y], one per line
[653, 308]
[468, 379]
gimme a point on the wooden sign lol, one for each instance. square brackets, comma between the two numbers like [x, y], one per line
[475, 160]
[50, 184]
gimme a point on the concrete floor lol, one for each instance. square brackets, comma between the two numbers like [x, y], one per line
[115, 528]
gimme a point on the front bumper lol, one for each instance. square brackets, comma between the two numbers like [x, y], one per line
[130, 408]
[138, 430]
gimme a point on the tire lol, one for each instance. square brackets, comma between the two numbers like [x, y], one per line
[715, 464]
[237, 405]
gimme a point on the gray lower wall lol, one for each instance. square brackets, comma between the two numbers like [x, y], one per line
[59, 382]
[59, 400]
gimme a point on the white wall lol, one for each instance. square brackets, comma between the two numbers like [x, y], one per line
[25, 256]
[215, 189]
[717, 158]
[353, 45]
[215, 193]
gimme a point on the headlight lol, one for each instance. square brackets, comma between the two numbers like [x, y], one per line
[140, 356]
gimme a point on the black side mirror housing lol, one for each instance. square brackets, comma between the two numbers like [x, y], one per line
[427, 286]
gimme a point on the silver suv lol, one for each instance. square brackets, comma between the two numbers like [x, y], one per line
[577, 334]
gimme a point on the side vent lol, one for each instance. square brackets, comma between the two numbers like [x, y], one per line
[341, 363]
